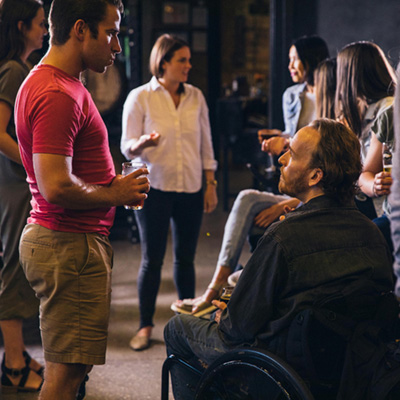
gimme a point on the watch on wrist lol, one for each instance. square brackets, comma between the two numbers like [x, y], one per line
[213, 182]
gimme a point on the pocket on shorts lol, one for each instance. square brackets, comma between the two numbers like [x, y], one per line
[37, 257]
[81, 253]
[34, 246]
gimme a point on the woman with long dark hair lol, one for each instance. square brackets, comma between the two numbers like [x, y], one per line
[364, 102]
[325, 88]
[22, 28]
[365, 86]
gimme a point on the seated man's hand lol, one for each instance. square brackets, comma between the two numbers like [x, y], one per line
[286, 210]
[266, 217]
[264, 134]
[221, 307]
[275, 145]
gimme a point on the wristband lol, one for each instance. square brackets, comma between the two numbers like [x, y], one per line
[213, 182]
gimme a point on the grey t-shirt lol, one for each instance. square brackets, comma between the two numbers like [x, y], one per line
[307, 113]
[12, 74]
[384, 131]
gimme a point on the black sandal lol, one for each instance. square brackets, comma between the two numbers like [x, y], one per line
[6, 384]
[28, 360]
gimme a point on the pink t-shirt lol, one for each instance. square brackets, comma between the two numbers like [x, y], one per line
[55, 114]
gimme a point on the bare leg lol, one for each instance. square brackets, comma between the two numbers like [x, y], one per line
[14, 347]
[62, 381]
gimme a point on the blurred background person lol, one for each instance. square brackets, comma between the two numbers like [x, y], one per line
[325, 88]
[364, 102]
[365, 86]
[166, 125]
[395, 191]
[298, 101]
[22, 29]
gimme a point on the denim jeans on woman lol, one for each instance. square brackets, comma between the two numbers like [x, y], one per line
[184, 212]
[247, 205]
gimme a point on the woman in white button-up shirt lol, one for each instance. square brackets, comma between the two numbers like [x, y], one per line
[166, 125]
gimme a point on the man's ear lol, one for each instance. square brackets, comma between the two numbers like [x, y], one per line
[79, 29]
[316, 176]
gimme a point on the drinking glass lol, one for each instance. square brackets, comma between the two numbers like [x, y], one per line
[127, 168]
[387, 149]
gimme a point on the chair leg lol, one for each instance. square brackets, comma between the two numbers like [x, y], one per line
[165, 377]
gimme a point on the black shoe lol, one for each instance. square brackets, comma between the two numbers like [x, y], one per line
[82, 389]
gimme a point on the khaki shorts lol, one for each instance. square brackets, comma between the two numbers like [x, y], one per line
[71, 275]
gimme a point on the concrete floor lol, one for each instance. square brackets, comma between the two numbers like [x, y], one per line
[129, 375]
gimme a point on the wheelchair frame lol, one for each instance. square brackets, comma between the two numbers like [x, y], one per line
[281, 375]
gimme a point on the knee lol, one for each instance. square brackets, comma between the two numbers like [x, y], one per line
[184, 260]
[245, 197]
[65, 375]
[172, 332]
[170, 328]
[168, 334]
[151, 265]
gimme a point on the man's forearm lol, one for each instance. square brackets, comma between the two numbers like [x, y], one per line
[77, 194]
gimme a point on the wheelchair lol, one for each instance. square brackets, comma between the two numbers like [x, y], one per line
[242, 374]
[320, 347]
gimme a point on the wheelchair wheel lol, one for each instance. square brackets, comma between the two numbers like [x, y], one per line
[248, 374]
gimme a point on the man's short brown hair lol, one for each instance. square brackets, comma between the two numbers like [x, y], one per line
[338, 156]
[64, 14]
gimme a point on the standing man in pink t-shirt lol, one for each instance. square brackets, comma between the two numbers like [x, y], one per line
[64, 249]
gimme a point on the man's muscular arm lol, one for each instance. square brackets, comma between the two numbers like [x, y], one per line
[58, 185]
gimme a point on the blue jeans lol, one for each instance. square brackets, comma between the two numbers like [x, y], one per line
[198, 342]
[383, 223]
[240, 221]
[184, 211]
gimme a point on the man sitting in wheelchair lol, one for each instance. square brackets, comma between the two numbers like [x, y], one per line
[324, 254]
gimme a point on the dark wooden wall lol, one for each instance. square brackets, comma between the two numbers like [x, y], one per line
[342, 22]
[339, 22]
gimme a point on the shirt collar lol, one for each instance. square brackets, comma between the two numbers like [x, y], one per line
[155, 85]
[323, 201]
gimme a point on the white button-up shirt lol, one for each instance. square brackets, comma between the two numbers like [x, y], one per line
[185, 146]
